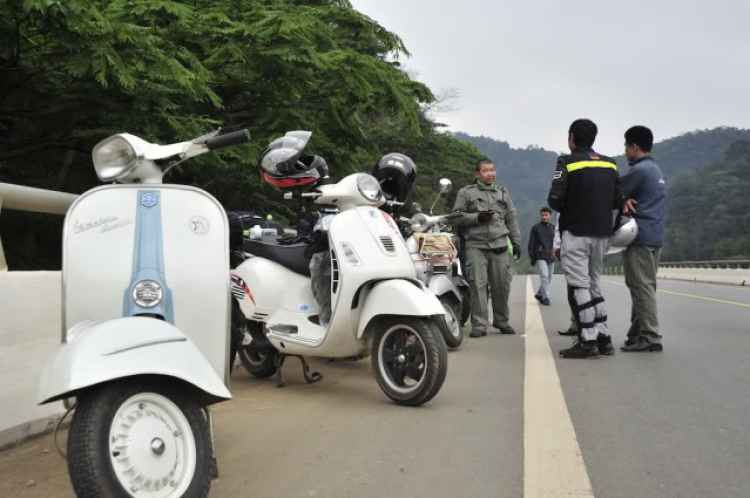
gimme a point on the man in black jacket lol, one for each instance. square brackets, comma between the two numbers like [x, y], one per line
[585, 190]
[540, 252]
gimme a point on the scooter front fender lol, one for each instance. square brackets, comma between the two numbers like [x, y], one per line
[442, 284]
[99, 351]
[398, 297]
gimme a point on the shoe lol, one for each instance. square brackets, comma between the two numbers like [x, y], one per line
[508, 330]
[545, 302]
[538, 297]
[478, 333]
[568, 332]
[640, 345]
[604, 343]
[581, 349]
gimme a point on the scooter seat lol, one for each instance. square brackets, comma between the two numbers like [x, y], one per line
[291, 256]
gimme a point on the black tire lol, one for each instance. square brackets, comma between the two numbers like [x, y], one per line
[90, 455]
[424, 358]
[450, 323]
[465, 305]
[259, 361]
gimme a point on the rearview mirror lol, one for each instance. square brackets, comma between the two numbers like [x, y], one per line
[445, 185]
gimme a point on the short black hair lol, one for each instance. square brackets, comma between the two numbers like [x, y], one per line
[584, 132]
[484, 160]
[545, 209]
[640, 136]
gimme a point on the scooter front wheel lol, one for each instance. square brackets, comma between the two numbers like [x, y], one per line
[136, 439]
[409, 358]
[260, 362]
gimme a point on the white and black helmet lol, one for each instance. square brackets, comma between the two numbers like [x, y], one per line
[626, 230]
[284, 163]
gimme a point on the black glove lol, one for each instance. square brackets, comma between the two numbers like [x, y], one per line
[484, 217]
[291, 238]
[533, 262]
[516, 251]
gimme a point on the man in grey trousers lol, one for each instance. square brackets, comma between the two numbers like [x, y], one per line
[585, 190]
[645, 184]
[489, 218]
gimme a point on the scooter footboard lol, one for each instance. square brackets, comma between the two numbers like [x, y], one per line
[398, 297]
[104, 350]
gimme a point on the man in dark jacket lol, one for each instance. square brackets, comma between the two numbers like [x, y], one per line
[645, 184]
[541, 240]
[585, 190]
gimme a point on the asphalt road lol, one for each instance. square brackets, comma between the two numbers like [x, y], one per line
[671, 424]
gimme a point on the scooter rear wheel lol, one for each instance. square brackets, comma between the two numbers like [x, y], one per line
[409, 358]
[260, 362]
[450, 323]
[139, 438]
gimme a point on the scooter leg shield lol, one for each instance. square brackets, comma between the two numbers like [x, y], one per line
[101, 351]
[398, 297]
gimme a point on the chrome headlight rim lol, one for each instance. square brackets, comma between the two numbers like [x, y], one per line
[369, 187]
[128, 147]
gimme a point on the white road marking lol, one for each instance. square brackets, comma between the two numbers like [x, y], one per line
[553, 464]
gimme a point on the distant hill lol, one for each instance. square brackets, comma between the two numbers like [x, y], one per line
[528, 174]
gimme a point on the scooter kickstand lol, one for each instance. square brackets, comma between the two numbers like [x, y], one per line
[310, 377]
[279, 361]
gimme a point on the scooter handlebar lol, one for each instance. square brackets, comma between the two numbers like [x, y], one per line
[453, 216]
[229, 139]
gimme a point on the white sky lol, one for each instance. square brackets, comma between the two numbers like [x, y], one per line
[525, 70]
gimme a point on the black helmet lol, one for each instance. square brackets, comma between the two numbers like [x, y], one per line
[397, 175]
[284, 164]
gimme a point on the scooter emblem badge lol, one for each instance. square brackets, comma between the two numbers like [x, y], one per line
[148, 200]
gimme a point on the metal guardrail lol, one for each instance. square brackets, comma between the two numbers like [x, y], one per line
[36, 200]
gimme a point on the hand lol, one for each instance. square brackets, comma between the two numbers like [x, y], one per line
[628, 207]
[485, 216]
[556, 254]
[516, 252]
[533, 263]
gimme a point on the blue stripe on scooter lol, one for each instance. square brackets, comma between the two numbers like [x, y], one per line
[148, 256]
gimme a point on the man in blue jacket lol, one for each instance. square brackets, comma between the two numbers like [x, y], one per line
[644, 183]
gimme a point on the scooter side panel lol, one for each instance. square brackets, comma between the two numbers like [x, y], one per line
[103, 350]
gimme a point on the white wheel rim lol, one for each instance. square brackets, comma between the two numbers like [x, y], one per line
[386, 375]
[452, 320]
[152, 447]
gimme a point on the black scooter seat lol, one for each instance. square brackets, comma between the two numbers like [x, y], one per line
[291, 256]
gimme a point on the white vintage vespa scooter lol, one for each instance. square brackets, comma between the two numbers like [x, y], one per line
[145, 325]
[378, 305]
[434, 251]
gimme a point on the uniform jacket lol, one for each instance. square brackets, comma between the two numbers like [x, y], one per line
[474, 199]
[585, 190]
[645, 183]
[540, 242]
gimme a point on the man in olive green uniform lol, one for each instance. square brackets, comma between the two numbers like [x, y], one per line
[489, 219]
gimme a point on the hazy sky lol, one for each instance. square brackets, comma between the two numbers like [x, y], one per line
[525, 70]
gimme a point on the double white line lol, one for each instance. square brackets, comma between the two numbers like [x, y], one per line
[553, 465]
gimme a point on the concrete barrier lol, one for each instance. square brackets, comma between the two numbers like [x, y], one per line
[728, 276]
[30, 324]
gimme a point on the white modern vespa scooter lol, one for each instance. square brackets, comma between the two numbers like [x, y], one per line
[378, 305]
[145, 325]
[435, 255]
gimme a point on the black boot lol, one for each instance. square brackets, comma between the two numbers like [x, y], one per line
[604, 343]
[581, 349]
[640, 344]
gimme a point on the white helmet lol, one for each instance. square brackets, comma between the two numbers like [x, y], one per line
[626, 230]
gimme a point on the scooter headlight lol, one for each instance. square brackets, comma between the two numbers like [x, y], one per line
[116, 156]
[369, 187]
[147, 294]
